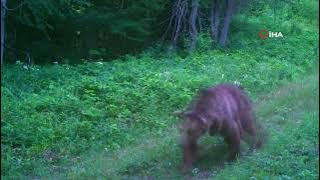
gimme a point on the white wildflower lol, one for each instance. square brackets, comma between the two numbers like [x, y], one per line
[237, 83]
[195, 170]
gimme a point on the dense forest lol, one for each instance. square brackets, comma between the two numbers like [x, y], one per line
[66, 31]
[89, 87]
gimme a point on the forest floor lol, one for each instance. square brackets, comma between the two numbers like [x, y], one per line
[289, 113]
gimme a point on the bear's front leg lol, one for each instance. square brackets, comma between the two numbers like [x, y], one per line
[189, 154]
[233, 141]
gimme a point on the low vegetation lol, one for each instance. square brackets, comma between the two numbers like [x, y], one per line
[115, 119]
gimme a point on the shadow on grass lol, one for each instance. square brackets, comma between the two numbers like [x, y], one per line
[211, 158]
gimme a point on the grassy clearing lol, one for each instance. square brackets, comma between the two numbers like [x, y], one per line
[48, 127]
[291, 115]
[114, 119]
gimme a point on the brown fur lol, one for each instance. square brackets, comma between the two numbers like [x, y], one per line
[223, 109]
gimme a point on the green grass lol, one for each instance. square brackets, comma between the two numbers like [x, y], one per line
[290, 152]
[290, 113]
[115, 119]
[292, 117]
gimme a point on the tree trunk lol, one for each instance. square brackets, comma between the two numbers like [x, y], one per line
[215, 20]
[226, 22]
[3, 14]
[200, 21]
[179, 13]
[193, 27]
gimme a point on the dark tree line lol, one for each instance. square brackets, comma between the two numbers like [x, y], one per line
[74, 29]
[50, 31]
[184, 19]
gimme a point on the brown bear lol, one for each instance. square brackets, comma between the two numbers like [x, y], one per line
[223, 109]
